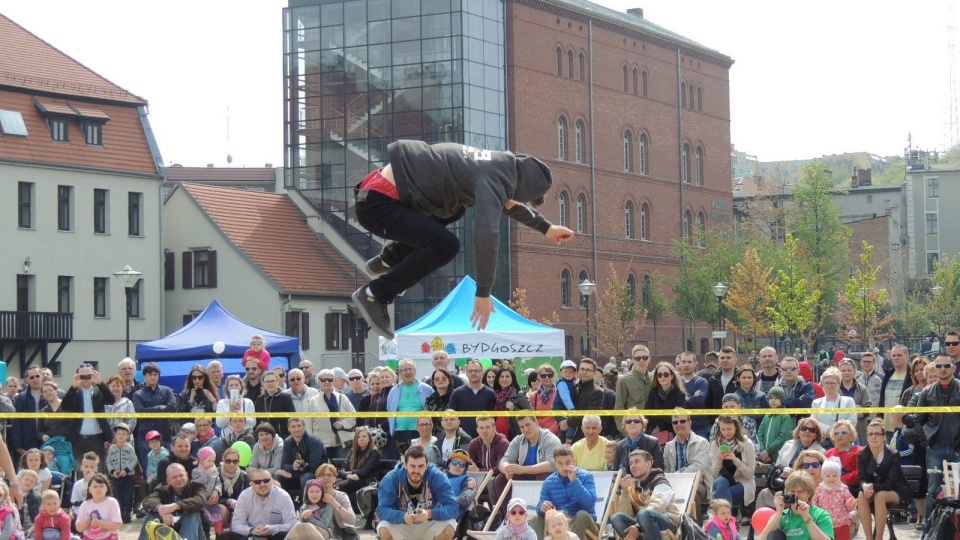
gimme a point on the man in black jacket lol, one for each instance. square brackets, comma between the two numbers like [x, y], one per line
[88, 394]
[589, 397]
[423, 189]
[177, 503]
[179, 455]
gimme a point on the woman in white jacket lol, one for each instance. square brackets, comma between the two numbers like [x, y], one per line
[336, 433]
[830, 381]
[229, 403]
[734, 460]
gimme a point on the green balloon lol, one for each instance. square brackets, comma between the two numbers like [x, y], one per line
[486, 363]
[245, 452]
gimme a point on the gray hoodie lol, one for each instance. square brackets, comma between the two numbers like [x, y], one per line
[443, 180]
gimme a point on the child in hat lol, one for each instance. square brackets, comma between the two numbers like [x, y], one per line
[515, 526]
[566, 389]
[208, 474]
[121, 462]
[834, 496]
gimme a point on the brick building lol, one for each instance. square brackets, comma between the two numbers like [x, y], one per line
[634, 121]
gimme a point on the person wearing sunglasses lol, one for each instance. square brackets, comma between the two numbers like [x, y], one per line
[634, 387]
[273, 400]
[252, 385]
[806, 436]
[542, 399]
[198, 394]
[299, 392]
[951, 345]
[844, 448]
[803, 520]
[356, 392]
[335, 432]
[25, 434]
[689, 453]
[668, 392]
[515, 525]
[882, 482]
[798, 392]
[264, 509]
[153, 397]
[464, 486]
[634, 424]
[233, 479]
[88, 394]
[645, 501]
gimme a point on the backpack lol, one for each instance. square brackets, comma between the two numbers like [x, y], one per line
[943, 523]
[691, 530]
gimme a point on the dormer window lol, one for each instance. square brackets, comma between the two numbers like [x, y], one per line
[59, 130]
[92, 132]
[59, 115]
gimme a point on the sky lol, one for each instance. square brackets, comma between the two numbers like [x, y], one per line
[810, 78]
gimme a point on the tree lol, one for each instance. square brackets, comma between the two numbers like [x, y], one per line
[793, 300]
[915, 317]
[656, 303]
[863, 306]
[518, 303]
[619, 320]
[945, 306]
[749, 296]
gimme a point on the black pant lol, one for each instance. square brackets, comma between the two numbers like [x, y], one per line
[90, 443]
[123, 492]
[422, 243]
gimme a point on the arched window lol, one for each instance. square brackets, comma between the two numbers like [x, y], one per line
[698, 170]
[644, 222]
[700, 99]
[581, 210]
[559, 61]
[643, 83]
[636, 82]
[701, 226]
[632, 289]
[579, 142]
[583, 299]
[686, 223]
[583, 69]
[628, 219]
[685, 164]
[570, 65]
[564, 203]
[565, 289]
[691, 96]
[625, 88]
[562, 139]
[643, 153]
[683, 95]
[627, 151]
[646, 292]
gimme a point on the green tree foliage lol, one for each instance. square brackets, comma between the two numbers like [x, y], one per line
[749, 296]
[793, 300]
[945, 307]
[894, 175]
[703, 263]
[863, 306]
[914, 317]
[655, 302]
[619, 320]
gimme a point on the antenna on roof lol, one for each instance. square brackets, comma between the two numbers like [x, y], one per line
[229, 157]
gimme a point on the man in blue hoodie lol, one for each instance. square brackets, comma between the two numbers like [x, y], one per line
[416, 501]
[423, 189]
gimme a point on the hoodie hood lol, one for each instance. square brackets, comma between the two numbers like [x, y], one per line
[533, 179]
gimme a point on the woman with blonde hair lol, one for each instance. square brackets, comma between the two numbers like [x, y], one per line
[806, 436]
[734, 460]
[832, 399]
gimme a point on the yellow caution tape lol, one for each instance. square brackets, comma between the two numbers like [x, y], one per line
[474, 414]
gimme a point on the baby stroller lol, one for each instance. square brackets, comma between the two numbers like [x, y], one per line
[62, 481]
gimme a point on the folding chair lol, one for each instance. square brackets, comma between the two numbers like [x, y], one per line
[486, 533]
[951, 479]
[606, 482]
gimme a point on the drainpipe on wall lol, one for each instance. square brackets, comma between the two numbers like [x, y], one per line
[680, 169]
[593, 183]
[283, 313]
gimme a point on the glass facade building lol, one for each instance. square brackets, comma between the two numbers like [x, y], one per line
[360, 74]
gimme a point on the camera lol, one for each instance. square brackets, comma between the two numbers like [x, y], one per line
[789, 498]
[86, 377]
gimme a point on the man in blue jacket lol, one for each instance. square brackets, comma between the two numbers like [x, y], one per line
[416, 501]
[572, 491]
[302, 455]
[25, 435]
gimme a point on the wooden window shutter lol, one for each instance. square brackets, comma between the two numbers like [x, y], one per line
[169, 271]
[290, 324]
[187, 269]
[304, 330]
[330, 331]
[212, 269]
[344, 331]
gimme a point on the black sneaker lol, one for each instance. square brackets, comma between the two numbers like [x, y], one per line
[374, 312]
[375, 267]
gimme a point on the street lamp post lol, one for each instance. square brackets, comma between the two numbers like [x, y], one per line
[720, 290]
[129, 278]
[586, 289]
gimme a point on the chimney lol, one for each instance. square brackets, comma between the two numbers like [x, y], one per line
[268, 165]
[209, 165]
[636, 12]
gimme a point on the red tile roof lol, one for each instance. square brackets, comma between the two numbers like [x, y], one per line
[31, 63]
[179, 173]
[270, 230]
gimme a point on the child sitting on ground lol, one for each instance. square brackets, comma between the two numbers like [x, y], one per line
[556, 526]
[722, 525]
[834, 496]
[8, 512]
[610, 456]
[515, 526]
[315, 511]
[31, 501]
[88, 468]
[52, 522]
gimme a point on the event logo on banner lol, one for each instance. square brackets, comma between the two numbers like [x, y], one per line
[481, 348]
[437, 345]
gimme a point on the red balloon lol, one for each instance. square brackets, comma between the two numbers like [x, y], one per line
[760, 518]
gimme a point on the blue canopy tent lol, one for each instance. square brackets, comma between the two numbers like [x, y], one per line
[193, 344]
[447, 326]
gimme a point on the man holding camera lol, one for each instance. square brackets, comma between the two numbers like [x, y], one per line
[571, 490]
[302, 455]
[644, 501]
[416, 501]
[88, 394]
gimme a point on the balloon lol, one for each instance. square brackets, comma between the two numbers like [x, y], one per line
[219, 347]
[760, 518]
[138, 376]
[245, 452]
[486, 363]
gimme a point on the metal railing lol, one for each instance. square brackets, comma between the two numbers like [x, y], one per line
[36, 326]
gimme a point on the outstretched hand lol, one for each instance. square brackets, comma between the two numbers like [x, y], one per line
[559, 233]
[482, 308]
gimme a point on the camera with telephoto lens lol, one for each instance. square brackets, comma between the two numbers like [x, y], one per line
[789, 498]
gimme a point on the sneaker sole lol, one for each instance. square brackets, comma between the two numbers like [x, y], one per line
[361, 305]
[371, 271]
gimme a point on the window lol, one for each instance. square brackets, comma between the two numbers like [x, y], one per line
[101, 200]
[64, 294]
[583, 69]
[559, 61]
[632, 289]
[134, 300]
[699, 99]
[643, 83]
[570, 64]
[628, 219]
[698, 169]
[579, 141]
[581, 208]
[932, 259]
[644, 222]
[625, 88]
[100, 296]
[64, 208]
[11, 123]
[643, 153]
[583, 299]
[200, 269]
[636, 82]
[686, 224]
[691, 97]
[337, 330]
[135, 213]
[565, 289]
[646, 292]
[701, 226]
[627, 151]
[933, 188]
[932, 225]
[683, 95]
[685, 164]
[169, 270]
[59, 131]
[93, 133]
[564, 203]
[26, 296]
[298, 326]
[562, 139]
[25, 204]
